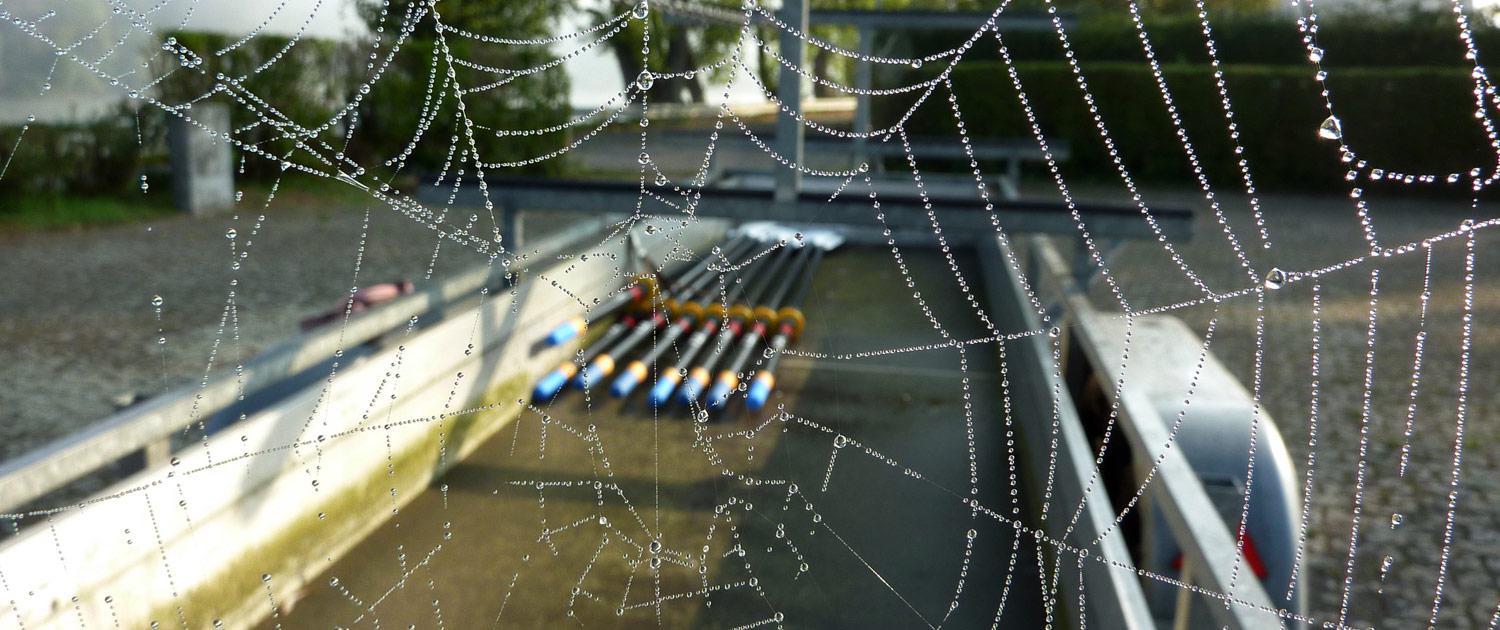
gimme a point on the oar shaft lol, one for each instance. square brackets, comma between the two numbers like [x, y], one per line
[636, 292]
[789, 324]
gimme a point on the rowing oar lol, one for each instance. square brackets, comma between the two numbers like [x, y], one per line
[766, 315]
[604, 363]
[698, 377]
[790, 322]
[554, 380]
[688, 313]
[756, 272]
[643, 289]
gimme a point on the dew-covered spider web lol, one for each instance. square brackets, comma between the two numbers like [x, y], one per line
[929, 456]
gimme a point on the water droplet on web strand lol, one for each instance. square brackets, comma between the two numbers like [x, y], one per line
[645, 80]
[1331, 129]
[1275, 278]
[640, 11]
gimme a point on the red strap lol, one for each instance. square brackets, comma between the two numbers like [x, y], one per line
[1251, 556]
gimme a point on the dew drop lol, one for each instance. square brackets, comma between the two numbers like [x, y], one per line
[1275, 278]
[1331, 129]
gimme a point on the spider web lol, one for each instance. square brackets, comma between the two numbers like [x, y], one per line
[812, 512]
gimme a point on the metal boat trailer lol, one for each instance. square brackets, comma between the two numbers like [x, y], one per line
[1175, 568]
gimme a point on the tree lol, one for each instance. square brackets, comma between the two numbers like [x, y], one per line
[415, 102]
[676, 46]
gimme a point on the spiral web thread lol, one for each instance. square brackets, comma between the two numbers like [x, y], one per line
[319, 152]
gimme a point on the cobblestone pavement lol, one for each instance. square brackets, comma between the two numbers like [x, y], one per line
[1309, 233]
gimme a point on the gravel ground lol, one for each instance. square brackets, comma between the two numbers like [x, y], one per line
[77, 330]
[1309, 233]
[77, 325]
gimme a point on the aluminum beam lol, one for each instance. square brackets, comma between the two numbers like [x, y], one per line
[962, 219]
[1206, 540]
[38, 472]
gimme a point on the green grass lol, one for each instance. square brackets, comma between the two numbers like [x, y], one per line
[302, 187]
[72, 212]
[68, 212]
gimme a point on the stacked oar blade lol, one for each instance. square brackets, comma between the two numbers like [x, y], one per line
[726, 306]
[631, 303]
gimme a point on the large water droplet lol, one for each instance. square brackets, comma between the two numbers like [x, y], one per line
[641, 11]
[645, 80]
[1275, 278]
[1331, 129]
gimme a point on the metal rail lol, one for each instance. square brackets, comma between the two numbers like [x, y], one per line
[964, 219]
[1033, 382]
[149, 426]
[1208, 545]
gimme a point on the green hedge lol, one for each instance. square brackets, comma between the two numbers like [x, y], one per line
[314, 79]
[307, 84]
[310, 81]
[100, 157]
[108, 155]
[1411, 119]
[391, 114]
[1426, 40]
